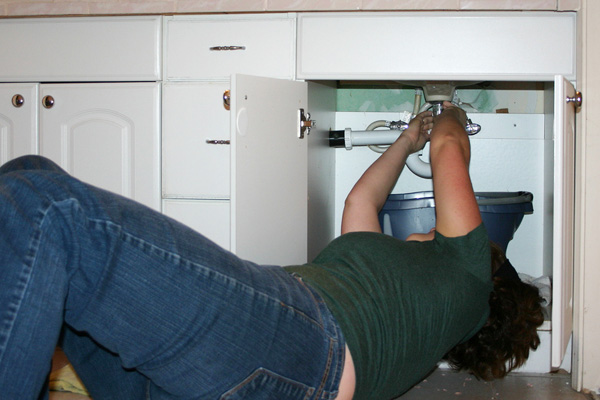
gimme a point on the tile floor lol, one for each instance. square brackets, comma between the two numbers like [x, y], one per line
[442, 384]
[445, 385]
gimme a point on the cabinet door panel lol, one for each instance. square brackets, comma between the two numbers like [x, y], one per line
[18, 120]
[209, 217]
[269, 171]
[105, 134]
[564, 199]
[192, 114]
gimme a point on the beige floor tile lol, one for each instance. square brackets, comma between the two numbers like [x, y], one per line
[445, 385]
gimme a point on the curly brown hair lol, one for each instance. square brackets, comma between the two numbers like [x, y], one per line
[504, 342]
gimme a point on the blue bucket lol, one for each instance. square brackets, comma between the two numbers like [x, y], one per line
[502, 213]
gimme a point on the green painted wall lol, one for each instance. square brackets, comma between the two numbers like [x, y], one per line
[520, 98]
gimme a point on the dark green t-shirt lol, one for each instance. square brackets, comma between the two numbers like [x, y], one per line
[402, 305]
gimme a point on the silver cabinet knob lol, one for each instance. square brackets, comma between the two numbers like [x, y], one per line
[577, 100]
[48, 101]
[18, 100]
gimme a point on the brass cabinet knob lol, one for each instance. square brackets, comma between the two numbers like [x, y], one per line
[48, 101]
[18, 100]
[227, 100]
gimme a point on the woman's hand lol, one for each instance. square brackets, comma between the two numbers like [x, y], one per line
[449, 125]
[456, 209]
[417, 133]
[452, 111]
[370, 192]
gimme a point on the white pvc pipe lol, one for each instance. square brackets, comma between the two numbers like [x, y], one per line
[374, 138]
[418, 167]
[415, 163]
[364, 138]
[378, 147]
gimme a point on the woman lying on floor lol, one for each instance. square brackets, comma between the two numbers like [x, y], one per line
[151, 309]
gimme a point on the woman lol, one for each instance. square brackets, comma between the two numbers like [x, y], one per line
[404, 305]
[149, 308]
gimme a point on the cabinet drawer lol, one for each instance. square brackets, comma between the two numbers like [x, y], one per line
[193, 113]
[430, 45]
[80, 49]
[215, 48]
[210, 218]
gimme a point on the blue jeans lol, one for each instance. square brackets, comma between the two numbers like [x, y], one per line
[148, 308]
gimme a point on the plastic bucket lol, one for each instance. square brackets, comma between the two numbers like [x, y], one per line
[502, 213]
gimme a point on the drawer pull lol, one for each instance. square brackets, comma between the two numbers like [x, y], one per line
[217, 141]
[227, 48]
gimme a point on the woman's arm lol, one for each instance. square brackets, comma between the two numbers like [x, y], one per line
[371, 191]
[457, 212]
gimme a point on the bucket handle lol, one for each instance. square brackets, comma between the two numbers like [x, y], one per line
[511, 198]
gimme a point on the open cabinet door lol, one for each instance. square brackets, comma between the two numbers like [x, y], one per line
[564, 192]
[268, 171]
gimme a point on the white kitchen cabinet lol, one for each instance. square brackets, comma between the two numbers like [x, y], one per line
[105, 131]
[106, 134]
[18, 120]
[247, 189]
[258, 179]
[529, 47]
[495, 46]
[196, 157]
[260, 174]
[218, 157]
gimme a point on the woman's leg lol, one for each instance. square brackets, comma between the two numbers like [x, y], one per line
[95, 365]
[100, 370]
[193, 318]
[90, 360]
[26, 344]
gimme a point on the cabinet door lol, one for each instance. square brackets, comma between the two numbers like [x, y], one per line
[105, 134]
[269, 171]
[563, 233]
[18, 120]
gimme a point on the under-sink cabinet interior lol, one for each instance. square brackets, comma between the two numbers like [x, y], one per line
[522, 146]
